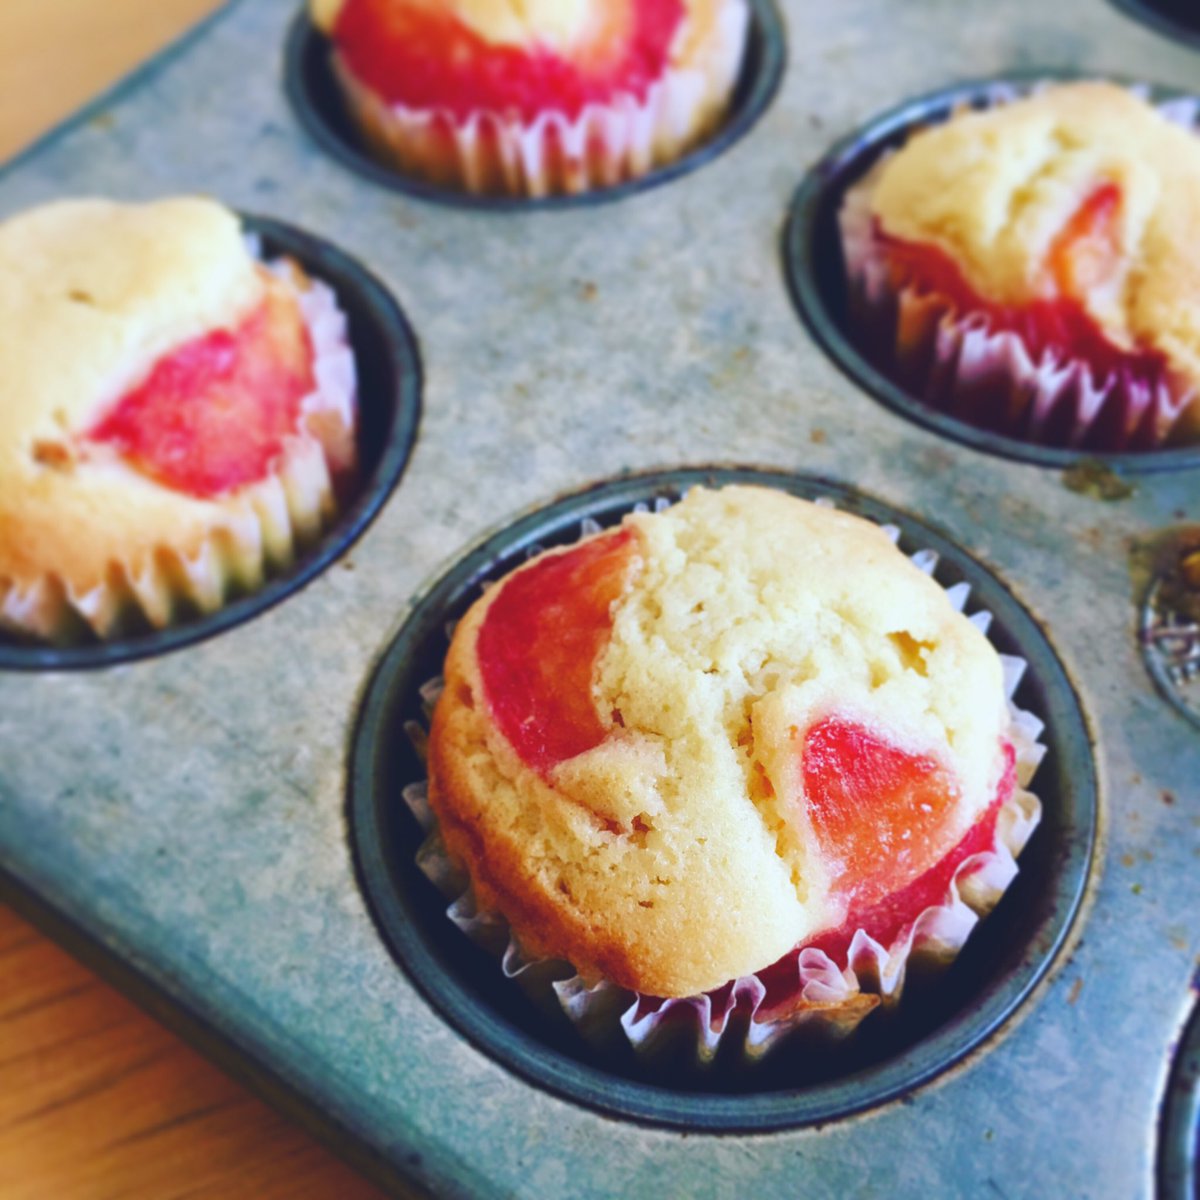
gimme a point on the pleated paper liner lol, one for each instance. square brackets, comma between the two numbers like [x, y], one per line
[491, 161]
[949, 372]
[808, 995]
[334, 476]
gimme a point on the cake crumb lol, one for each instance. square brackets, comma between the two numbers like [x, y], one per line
[1090, 477]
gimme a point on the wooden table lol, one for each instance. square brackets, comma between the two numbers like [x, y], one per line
[98, 1101]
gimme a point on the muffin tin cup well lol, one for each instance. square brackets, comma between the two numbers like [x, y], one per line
[1005, 959]
[315, 96]
[1179, 1128]
[389, 405]
[1178, 20]
[814, 264]
[1171, 649]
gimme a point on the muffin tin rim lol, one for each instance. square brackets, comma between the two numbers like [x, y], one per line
[1177, 1163]
[803, 224]
[615, 1095]
[303, 40]
[351, 523]
[1160, 23]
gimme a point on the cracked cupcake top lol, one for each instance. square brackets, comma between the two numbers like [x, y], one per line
[678, 749]
[151, 370]
[1082, 195]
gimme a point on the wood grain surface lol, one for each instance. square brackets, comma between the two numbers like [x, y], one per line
[97, 1101]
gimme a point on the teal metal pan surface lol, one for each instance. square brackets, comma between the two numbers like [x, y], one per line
[191, 819]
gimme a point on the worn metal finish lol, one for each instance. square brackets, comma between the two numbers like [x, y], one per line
[188, 812]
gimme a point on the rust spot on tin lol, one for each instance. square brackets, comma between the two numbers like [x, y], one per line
[1073, 994]
[588, 290]
[1090, 477]
[818, 437]
[1127, 860]
[1168, 797]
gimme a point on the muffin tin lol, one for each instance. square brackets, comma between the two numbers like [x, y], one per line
[1171, 18]
[183, 820]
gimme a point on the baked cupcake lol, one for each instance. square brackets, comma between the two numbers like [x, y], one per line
[1033, 269]
[178, 417]
[534, 99]
[739, 752]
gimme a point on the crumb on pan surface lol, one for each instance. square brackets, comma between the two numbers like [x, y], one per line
[678, 852]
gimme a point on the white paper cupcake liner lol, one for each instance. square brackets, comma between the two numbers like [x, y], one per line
[500, 154]
[259, 529]
[828, 1002]
[958, 363]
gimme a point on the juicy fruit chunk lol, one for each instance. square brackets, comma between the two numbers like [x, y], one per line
[1085, 253]
[539, 643]
[1083, 256]
[212, 415]
[885, 915]
[414, 54]
[879, 812]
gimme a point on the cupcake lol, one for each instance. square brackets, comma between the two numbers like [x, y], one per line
[740, 754]
[1032, 268]
[178, 417]
[541, 98]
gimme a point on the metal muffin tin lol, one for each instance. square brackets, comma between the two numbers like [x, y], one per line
[1170, 18]
[1179, 1149]
[181, 820]
[891, 1055]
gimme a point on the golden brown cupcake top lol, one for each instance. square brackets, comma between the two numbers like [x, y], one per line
[673, 752]
[1083, 192]
[119, 324]
[519, 56]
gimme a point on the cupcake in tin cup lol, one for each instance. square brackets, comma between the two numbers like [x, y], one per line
[178, 417]
[738, 763]
[1031, 268]
[548, 97]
